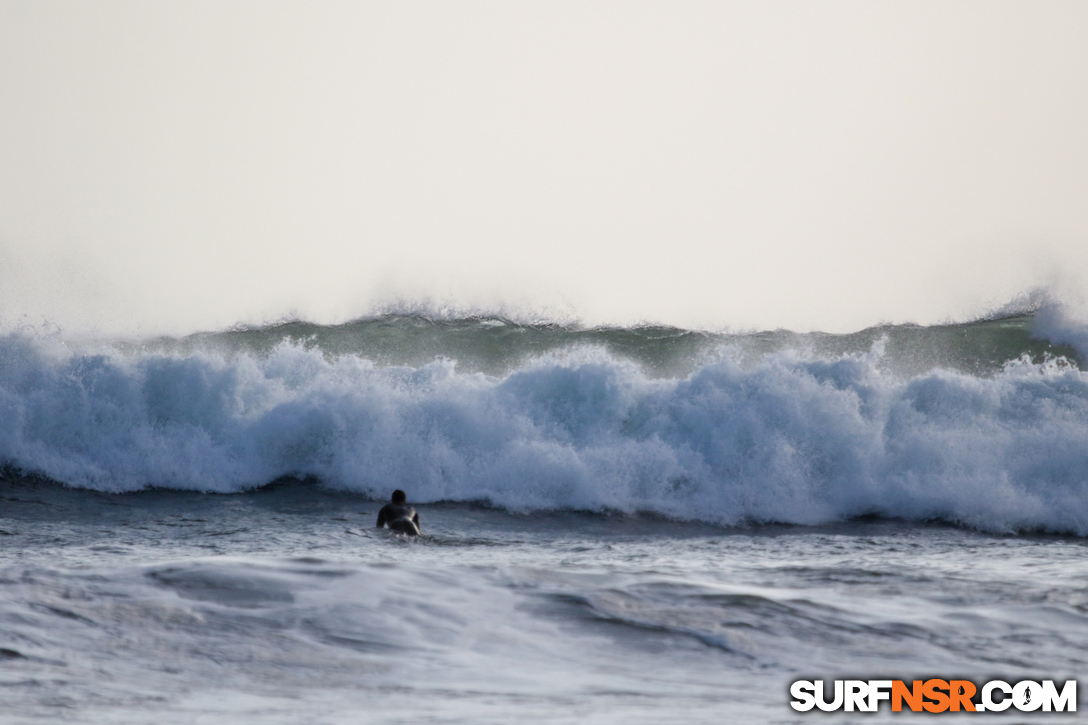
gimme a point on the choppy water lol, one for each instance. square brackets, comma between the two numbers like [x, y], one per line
[641, 525]
[285, 606]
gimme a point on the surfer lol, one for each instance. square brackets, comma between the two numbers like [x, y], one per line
[399, 516]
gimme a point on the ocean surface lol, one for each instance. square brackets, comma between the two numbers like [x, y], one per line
[620, 525]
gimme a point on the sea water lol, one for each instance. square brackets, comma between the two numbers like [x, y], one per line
[620, 525]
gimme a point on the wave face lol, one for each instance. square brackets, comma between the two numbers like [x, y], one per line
[978, 424]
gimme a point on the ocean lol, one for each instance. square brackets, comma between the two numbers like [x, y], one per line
[620, 525]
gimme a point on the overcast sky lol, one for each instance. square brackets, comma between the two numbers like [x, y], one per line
[190, 165]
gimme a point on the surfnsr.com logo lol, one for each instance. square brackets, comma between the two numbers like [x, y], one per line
[934, 695]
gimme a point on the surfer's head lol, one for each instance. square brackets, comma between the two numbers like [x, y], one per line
[399, 497]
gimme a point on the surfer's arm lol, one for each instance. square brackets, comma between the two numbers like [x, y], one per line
[381, 518]
[415, 520]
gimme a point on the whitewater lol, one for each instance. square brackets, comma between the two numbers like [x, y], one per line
[643, 524]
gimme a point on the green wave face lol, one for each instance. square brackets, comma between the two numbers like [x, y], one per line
[496, 346]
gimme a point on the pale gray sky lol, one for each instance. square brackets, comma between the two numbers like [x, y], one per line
[182, 166]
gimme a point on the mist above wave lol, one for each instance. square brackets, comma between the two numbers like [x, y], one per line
[789, 437]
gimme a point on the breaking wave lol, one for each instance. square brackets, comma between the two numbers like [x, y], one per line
[787, 435]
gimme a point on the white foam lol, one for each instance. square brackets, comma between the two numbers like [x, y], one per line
[792, 439]
[1060, 324]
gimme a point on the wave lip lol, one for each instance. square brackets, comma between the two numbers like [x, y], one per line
[790, 438]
